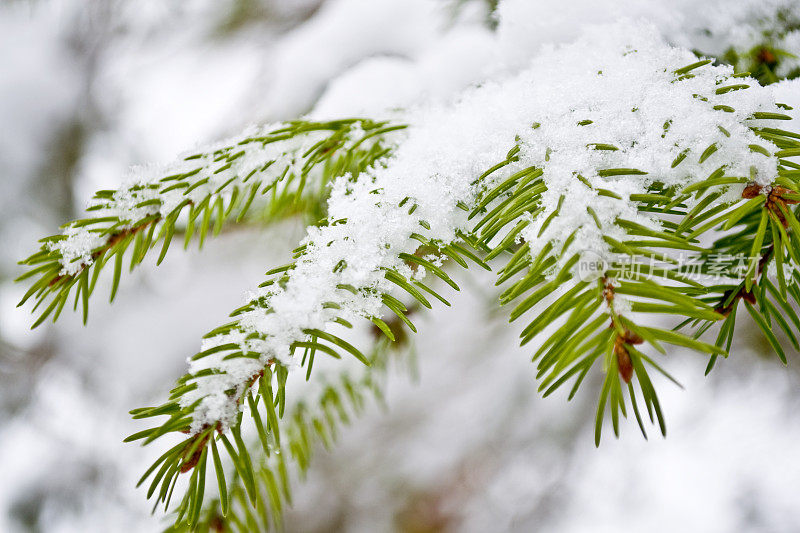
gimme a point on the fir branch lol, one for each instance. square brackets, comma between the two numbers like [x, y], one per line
[278, 169]
[311, 421]
[584, 308]
[571, 192]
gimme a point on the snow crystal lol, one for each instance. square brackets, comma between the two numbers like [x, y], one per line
[614, 86]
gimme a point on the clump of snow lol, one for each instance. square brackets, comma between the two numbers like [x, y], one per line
[615, 86]
[76, 249]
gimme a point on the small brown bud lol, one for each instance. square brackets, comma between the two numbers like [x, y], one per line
[192, 461]
[751, 191]
[624, 363]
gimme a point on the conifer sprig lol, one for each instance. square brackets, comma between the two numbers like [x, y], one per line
[278, 171]
[593, 305]
[588, 328]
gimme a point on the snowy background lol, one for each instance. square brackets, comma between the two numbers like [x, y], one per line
[465, 443]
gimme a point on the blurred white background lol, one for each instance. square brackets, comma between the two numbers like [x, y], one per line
[465, 443]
